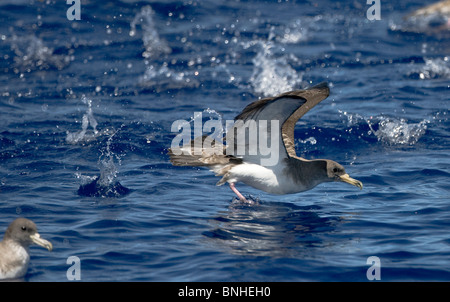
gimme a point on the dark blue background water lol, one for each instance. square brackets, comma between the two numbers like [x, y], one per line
[92, 102]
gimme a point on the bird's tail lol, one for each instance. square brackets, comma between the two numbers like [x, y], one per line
[188, 159]
[213, 158]
[206, 158]
[195, 155]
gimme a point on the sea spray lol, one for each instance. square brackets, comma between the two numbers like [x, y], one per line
[390, 130]
[31, 54]
[159, 74]
[84, 135]
[154, 45]
[272, 74]
[395, 131]
[435, 68]
[105, 185]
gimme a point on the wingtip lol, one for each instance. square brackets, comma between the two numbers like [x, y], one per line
[323, 85]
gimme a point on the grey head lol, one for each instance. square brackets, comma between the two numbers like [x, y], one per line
[336, 172]
[24, 232]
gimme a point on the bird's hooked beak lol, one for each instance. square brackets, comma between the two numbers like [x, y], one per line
[346, 178]
[36, 238]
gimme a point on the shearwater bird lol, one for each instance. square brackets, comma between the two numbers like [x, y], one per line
[432, 19]
[288, 173]
[14, 249]
[441, 7]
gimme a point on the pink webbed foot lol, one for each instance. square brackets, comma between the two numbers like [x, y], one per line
[241, 197]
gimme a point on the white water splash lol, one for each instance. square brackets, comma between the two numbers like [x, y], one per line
[211, 113]
[292, 34]
[154, 45]
[158, 75]
[432, 69]
[273, 75]
[106, 184]
[85, 179]
[84, 135]
[108, 170]
[393, 131]
[32, 54]
[273, 72]
[310, 140]
[162, 77]
[399, 131]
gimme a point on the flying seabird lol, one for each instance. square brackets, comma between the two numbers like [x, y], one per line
[14, 249]
[290, 173]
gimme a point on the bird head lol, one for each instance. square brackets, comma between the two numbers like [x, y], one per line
[24, 232]
[336, 172]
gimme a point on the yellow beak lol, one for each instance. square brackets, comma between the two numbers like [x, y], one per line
[36, 238]
[346, 178]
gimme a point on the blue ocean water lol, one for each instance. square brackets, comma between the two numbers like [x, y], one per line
[86, 112]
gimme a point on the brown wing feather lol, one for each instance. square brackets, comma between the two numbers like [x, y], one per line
[256, 106]
[313, 96]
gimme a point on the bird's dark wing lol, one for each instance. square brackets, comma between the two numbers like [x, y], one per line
[275, 116]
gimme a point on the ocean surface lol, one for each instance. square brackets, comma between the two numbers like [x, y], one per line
[86, 114]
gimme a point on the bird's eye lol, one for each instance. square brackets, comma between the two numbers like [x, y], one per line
[337, 170]
[24, 228]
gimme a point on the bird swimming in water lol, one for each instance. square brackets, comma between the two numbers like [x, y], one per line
[14, 249]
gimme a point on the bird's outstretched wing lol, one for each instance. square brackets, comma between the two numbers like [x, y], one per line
[271, 121]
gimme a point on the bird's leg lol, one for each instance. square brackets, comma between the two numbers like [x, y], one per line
[241, 197]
